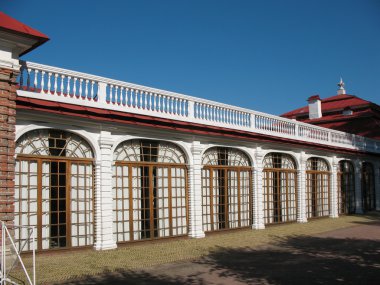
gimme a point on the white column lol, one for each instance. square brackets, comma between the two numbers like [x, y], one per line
[377, 185]
[358, 187]
[301, 189]
[103, 195]
[195, 192]
[258, 193]
[334, 189]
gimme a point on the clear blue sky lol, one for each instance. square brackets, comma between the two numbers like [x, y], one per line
[268, 56]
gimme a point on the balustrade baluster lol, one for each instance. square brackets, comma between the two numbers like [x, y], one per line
[68, 86]
[159, 103]
[80, 88]
[130, 97]
[116, 96]
[150, 107]
[123, 95]
[176, 108]
[110, 98]
[61, 85]
[55, 83]
[92, 95]
[144, 93]
[135, 101]
[42, 81]
[154, 101]
[180, 107]
[86, 89]
[28, 74]
[48, 82]
[74, 86]
[35, 80]
[139, 94]
[170, 105]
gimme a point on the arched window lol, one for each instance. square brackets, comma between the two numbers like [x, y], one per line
[226, 189]
[346, 188]
[368, 187]
[279, 185]
[317, 188]
[149, 190]
[54, 186]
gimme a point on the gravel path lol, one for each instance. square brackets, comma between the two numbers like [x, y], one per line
[343, 256]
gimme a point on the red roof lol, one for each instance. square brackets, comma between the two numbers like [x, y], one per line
[337, 102]
[364, 120]
[9, 24]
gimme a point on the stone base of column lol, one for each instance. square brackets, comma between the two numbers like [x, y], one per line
[302, 220]
[197, 234]
[258, 227]
[105, 245]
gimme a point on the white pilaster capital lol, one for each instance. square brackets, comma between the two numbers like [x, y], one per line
[303, 159]
[105, 139]
[196, 148]
[259, 155]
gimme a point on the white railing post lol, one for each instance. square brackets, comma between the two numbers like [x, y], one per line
[102, 92]
[190, 110]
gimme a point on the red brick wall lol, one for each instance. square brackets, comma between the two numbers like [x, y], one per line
[7, 143]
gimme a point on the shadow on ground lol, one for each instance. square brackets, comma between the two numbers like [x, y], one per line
[296, 260]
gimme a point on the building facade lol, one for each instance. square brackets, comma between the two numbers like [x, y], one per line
[91, 161]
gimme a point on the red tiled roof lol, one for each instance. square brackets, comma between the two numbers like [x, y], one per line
[7, 22]
[337, 102]
[10, 24]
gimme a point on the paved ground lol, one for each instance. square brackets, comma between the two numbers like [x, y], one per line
[345, 256]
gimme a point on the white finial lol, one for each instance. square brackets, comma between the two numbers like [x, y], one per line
[341, 89]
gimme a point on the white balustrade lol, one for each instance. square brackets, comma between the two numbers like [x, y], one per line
[66, 86]
[311, 132]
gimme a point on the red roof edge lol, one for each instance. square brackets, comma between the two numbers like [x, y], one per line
[10, 24]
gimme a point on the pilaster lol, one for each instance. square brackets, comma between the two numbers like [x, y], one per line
[301, 189]
[103, 195]
[334, 188]
[257, 193]
[358, 187]
[195, 192]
